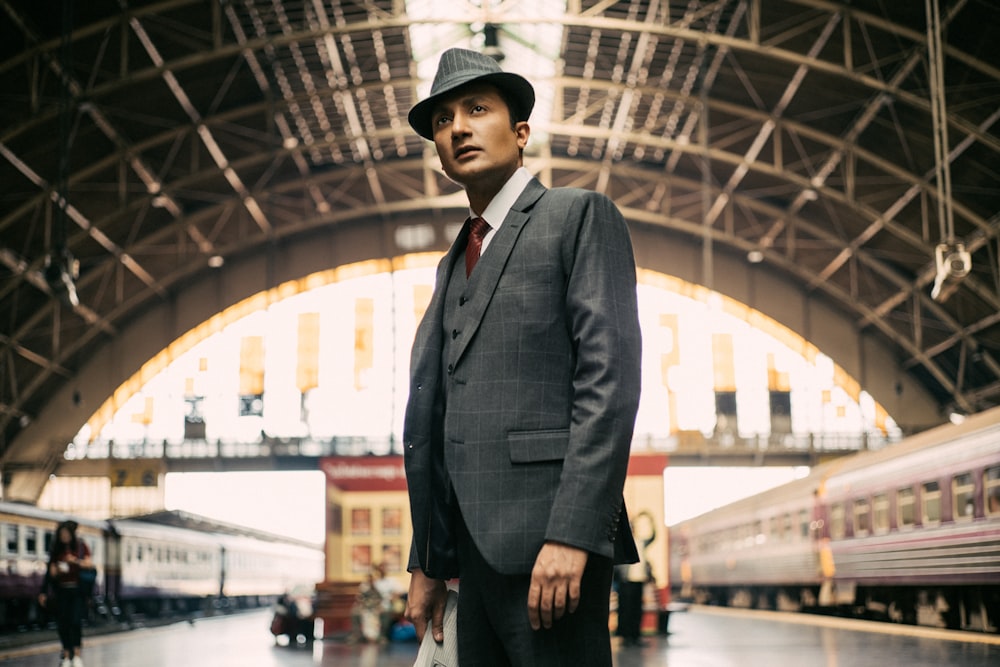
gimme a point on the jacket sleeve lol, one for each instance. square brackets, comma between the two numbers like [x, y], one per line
[602, 312]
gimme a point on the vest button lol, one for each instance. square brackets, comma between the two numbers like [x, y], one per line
[451, 369]
[462, 300]
[454, 334]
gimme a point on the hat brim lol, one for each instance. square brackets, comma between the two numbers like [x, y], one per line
[517, 87]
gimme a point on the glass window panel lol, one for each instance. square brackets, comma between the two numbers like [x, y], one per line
[905, 508]
[991, 488]
[13, 535]
[31, 540]
[963, 493]
[837, 524]
[862, 517]
[880, 505]
[931, 503]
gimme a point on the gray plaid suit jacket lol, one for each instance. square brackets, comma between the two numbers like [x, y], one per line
[543, 386]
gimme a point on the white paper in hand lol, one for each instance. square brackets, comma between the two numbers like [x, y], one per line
[432, 654]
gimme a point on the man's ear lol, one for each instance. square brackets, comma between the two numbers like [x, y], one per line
[523, 131]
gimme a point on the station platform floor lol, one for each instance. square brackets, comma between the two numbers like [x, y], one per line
[699, 637]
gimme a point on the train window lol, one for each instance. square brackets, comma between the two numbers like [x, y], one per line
[775, 528]
[31, 540]
[12, 539]
[963, 493]
[47, 539]
[838, 527]
[906, 514]
[787, 521]
[931, 502]
[880, 513]
[803, 524]
[862, 517]
[758, 531]
[991, 487]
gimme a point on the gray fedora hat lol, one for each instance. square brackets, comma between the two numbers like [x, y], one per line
[458, 67]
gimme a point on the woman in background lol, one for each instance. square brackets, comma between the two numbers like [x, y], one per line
[62, 581]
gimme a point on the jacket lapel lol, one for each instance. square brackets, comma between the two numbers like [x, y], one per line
[490, 266]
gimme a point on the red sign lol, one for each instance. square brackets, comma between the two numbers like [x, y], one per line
[365, 473]
[647, 464]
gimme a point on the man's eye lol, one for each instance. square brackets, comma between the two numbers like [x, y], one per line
[441, 120]
[478, 108]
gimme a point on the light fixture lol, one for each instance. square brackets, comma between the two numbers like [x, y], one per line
[755, 257]
[61, 272]
[491, 43]
[956, 417]
[216, 261]
[951, 262]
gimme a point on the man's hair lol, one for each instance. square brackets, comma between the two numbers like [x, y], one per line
[513, 104]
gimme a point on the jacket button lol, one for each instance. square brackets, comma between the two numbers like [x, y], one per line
[451, 369]
[419, 386]
[454, 334]
[462, 300]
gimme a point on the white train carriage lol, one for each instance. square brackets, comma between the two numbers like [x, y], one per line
[260, 567]
[902, 533]
[918, 525]
[763, 546]
[164, 562]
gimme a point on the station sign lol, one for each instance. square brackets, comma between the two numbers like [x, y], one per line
[365, 473]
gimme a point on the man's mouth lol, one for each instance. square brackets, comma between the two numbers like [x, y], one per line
[464, 150]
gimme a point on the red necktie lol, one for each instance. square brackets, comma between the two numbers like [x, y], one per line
[478, 229]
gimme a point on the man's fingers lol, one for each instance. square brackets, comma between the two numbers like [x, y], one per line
[559, 603]
[437, 622]
[546, 606]
[555, 584]
[574, 595]
[534, 597]
[420, 625]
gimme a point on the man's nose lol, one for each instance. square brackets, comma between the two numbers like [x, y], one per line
[459, 126]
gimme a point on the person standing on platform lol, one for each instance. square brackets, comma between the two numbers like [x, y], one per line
[525, 376]
[67, 557]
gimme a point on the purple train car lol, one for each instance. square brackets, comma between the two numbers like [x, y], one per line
[909, 533]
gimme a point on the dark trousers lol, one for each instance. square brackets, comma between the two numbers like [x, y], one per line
[69, 617]
[493, 627]
[629, 609]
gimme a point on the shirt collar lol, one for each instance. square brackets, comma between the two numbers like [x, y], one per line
[500, 205]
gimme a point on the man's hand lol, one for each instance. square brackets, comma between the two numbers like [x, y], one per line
[425, 601]
[555, 583]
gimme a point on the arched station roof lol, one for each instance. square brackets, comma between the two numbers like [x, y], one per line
[776, 151]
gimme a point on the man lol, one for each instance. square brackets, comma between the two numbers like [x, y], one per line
[524, 387]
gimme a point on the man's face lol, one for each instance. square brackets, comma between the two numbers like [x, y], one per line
[474, 137]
